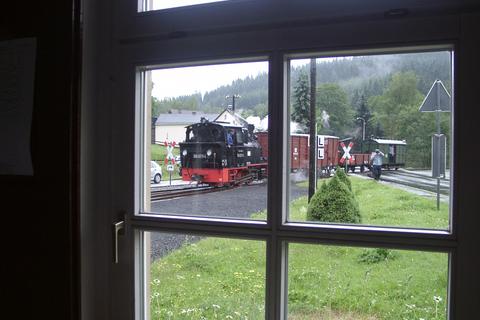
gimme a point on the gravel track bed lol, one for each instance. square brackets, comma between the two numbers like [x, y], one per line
[250, 199]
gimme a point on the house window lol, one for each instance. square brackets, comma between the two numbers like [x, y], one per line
[404, 254]
[194, 277]
[387, 118]
[269, 254]
[205, 161]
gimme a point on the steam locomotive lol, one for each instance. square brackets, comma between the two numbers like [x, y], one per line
[221, 154]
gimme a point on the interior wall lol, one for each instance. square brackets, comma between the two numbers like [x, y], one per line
[38, 212]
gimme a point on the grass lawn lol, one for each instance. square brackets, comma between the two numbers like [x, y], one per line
[384, 205]
[225, 278]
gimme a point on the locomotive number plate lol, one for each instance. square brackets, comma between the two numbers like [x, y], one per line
[199, 156]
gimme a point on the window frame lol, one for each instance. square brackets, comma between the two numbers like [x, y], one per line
[276, 229]
[132, 50]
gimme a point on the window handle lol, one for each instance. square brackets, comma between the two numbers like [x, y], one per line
[118, 229]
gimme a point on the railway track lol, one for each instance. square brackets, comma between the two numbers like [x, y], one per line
[171, 193]
[415, 180]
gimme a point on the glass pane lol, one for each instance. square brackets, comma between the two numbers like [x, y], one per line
[168, 4]
[193, 277]
[206, 146]
[385, 121]
[332, 282]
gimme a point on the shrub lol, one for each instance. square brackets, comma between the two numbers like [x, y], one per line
[334, 202]
[376, 255]
[340, 173]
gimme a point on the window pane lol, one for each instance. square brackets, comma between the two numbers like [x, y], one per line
[206, 146]
[168, 4]
[192, 277]
[332, 282]
[385, 120]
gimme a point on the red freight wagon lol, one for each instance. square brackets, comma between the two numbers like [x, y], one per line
[327, 148]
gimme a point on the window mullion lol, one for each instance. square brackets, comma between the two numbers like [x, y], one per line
[276, 192]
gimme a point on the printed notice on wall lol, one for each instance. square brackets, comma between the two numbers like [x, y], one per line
[17, 73]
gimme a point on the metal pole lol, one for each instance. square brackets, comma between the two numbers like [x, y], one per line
[363, 133]
[312, 173]
[437, 120]
[363, 127]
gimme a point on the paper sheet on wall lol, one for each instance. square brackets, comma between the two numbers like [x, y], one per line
[17, 73]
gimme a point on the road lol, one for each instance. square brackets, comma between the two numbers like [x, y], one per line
[238, 202]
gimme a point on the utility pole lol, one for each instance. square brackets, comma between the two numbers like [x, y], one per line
[312, 173]
[363, 127]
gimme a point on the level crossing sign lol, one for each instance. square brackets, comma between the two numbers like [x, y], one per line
[170, 158]
[347, 157]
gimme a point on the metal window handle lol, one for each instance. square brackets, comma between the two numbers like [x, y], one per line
[118, 229]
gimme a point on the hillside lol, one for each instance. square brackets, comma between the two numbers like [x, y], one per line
[365, 75]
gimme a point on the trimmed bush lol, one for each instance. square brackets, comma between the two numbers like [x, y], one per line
[340, 173]
[334, 202]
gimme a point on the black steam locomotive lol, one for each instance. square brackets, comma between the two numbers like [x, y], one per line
[220, 154]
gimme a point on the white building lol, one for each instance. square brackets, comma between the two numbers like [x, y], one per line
[171, 126]
[229, 116]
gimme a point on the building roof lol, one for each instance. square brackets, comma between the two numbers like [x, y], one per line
[184, 118]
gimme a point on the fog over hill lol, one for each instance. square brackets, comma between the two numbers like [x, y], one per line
[357, 76]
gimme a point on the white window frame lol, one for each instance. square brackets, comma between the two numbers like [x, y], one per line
[109, 134]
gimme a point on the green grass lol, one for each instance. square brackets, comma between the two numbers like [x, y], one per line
[384, 205]
[212, 279]
[225, 278]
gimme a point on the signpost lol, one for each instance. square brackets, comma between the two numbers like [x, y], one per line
[347, 157]
[320, 147]
[170, 158]
[437, 100]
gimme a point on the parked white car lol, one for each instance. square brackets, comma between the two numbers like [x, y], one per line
[155, 172]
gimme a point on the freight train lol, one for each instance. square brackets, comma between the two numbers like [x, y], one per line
[220, 154]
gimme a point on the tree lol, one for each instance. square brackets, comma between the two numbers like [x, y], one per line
[336, 115]
[396, 112]
[400, 95]
[301, 102]
[155, 107]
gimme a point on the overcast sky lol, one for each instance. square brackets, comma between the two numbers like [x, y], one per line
[175, 82]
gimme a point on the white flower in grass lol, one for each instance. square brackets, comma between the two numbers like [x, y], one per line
[215, 306]
[156, 281]
[437, 299]
[156, 294]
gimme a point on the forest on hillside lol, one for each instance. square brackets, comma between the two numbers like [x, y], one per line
[384, 90]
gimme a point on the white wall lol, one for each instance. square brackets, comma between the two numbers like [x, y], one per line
[171, 133]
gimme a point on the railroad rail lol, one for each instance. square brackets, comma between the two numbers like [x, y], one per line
[171, 193]
[414, 180]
